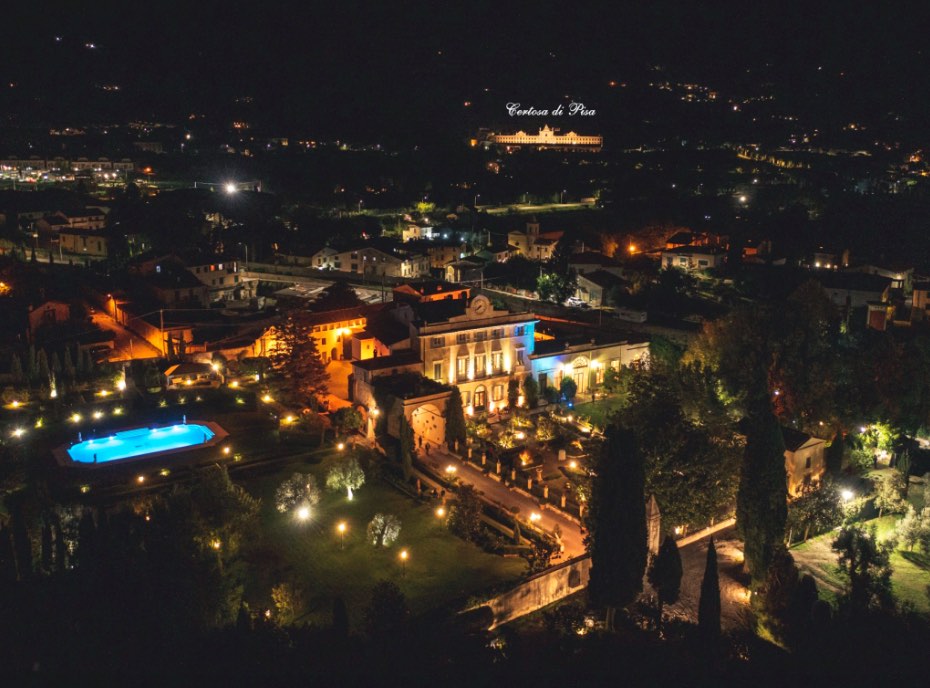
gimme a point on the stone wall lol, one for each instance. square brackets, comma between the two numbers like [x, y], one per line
[541, 590]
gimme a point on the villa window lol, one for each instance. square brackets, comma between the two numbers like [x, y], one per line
[496, 361]
[437, 342]
[518, 331]
[461, 367]
[497, 392]
[519, 357]
[462, 338]
[481, 365]
[437, 370]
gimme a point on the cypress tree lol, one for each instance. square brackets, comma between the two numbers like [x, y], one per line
[88, 364]
[48, 554]
[44, 374]
[709, 604]
[340, 618]
[61, 550]
[665, 574]
[617, 523]
[7, 558]
[406, 447]
[762, 498]
[55, 364]
[67, 367]
[455, 419]
[31, 368]
[16, 369]
[833, 456]
[79, 359]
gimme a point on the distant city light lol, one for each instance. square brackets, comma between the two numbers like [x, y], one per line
[231, 188]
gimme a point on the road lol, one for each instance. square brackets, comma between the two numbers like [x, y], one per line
[127, 345]
[572, 538]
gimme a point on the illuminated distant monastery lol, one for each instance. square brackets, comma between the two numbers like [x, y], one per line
[548, 138]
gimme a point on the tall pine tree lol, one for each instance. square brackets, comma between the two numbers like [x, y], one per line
[16, 369]
[762, 498]
[617, 523]
[709, 604]
[297, 360]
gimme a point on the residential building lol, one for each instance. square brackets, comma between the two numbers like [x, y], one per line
[901, 276]
[430, 290]
[86, 242]
[591, 261]
[469, 269]
[804, 459]
[596, 287]
[694, 258]
[384, 259]
[853, 289]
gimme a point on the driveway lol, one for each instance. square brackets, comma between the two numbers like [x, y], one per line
[493, 491]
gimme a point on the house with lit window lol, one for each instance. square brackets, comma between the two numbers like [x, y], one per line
[222, 276]
[475, 346]
[334, 330]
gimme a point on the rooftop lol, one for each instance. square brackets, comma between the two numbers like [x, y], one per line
[399, 360]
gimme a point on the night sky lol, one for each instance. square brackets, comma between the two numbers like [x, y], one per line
[369, 69]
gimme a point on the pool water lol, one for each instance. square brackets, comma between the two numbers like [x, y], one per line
[139, 442]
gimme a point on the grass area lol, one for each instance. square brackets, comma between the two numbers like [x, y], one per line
[599, 411]
[910, 570]
[441, 568]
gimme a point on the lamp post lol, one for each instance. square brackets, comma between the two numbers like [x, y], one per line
[403, 562]
[342, 534]
[562, 197]
[477, 196]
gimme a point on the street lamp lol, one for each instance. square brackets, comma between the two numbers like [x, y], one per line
[562, 197]
[303, 513]
[847, 495]
[440, 512]
[477, 196]
[403, 562]
[341, 527]
[231, 188]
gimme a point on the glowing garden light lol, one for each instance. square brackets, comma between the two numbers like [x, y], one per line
[303, 513]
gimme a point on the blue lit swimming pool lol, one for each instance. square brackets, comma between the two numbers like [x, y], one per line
[139, 442]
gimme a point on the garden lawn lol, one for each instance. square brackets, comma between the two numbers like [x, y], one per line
[441, 568]
[599, 411]
[910, 570]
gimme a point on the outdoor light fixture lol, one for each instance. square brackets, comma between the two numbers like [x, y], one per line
[76, 418]
[231, 188]
[18, 432]
[846, 495]
[340, 446]
[535, 517]
[303, 513]
[140, 479]
[450, 469]
[440, 512]
[234, 384]
[267, 398]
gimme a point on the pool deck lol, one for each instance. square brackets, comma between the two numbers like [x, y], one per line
[219, 436]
